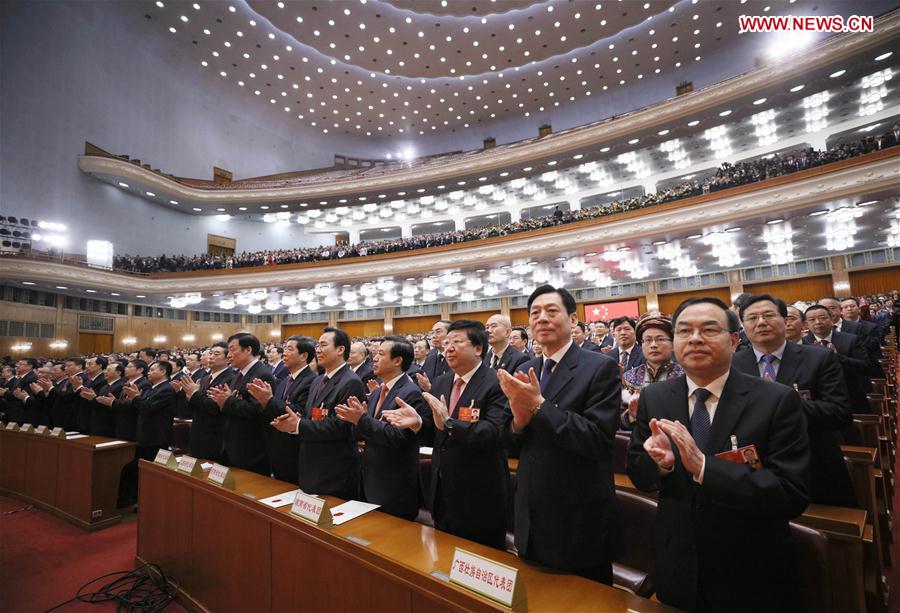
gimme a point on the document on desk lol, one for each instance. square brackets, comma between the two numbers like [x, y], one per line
[206, 465]
[280, 500]
[350, 510]
[109, 444]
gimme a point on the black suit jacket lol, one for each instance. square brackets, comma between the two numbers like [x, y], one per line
[469, 474]
[365, 374]
[725, 544]
[284, 448]
[86, 407]
[565, 493]
[155, 410]
[65, 406]
[435, 365]
[854, 361]
[635, 357]
[589, 345]
[816, 373]
[207, 422]
[509, 361]
[606, 342]
[328, 453]
[16, 410]
[246, 426]
[870, 336]
[126, 414]
[389, 465]
[103, 419]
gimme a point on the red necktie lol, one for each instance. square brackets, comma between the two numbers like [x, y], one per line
[455, 394]
[381, 396]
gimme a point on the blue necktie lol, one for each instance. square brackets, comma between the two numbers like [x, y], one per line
[768, 372]
[546, 373]
[700, 419]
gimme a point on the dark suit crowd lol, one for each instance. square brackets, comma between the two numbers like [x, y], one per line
[348, 418]
[726, 176]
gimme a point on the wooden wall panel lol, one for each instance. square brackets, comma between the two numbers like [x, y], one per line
[519, 317]
[669, 302]
[876, 281]
[481, 316]
[94, 343]
[807, 289]
[365, 327]
[414, 325]
[313, 331]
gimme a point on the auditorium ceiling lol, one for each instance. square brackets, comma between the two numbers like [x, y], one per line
[398, 69]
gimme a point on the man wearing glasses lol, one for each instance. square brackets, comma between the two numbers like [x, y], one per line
[722, 540]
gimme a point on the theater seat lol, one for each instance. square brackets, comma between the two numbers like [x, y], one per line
[620, 452]
[634, 571]
[812, 558]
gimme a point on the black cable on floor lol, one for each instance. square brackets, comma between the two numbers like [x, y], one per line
[145, 589]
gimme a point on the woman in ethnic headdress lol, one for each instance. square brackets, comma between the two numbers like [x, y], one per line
[654, 333]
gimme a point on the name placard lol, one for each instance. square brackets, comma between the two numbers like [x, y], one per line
[42, 429]
[27, 428]
[222, 476]
[190, 465]
[12, 426]
[165, 458]
[488, 578]
[312, 509]
[58, 432]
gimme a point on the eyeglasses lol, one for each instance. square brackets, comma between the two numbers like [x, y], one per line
[456, 343]
[707, 332]
[752, 320]
[656, 340]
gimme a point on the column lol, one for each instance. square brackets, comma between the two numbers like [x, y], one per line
[574, 204]
[445, 310]
[649, 187]
[388, 320]
[652, 297]
[353, 236]
[405, 230]
[515, 214]
[332, 319]
[504, 306]
[840, 276]
[735, 285]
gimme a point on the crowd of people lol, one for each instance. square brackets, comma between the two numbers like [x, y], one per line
[552, 394]
[728, 175]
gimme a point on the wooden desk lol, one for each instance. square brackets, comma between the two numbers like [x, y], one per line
[228, 552]
[71, 479]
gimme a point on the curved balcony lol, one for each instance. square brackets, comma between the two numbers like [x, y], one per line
[606, 136]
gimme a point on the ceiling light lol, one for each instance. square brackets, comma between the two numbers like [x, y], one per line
[151, 194]
[760, 101]
[693, 123]
[797, 88]
[121, 184]
[835, 75]
[884, 56]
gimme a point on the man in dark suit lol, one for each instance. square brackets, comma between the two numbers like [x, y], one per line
[18, 389]
[126, 419]
[722, 541]
[275, 356]
[518, 338]
[580, 337]
[291, 391]
[207, 439]
[43, 393]
[67, 401]
[328, 452]
[501, 355]
[103, 420]
[359, 363]
[245, 428]
[93, 382]
[435, 364]
[600, 335]
[627, 352]
[469, 474]
[816, 374]
[191, 370]
[849, 351]
[565, 406]
[389, 464]
[155, 410]
[870, 334]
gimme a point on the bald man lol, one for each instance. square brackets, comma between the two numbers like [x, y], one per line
[501, 355]
[359, 362]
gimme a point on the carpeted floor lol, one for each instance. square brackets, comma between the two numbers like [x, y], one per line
[44, 560]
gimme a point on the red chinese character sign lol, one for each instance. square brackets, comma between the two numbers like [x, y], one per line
[607, 311]
[312, 509]
[488, 578]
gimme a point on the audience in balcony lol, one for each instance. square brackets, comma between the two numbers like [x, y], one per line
[728, 175]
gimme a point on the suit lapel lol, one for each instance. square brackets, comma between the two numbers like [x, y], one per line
[562, 374]
[728, 411]
[790, 362]
[679, 402]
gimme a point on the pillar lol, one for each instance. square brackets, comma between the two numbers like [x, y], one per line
[388, 320]
[840, 277]
[504, 306]
[735, 285]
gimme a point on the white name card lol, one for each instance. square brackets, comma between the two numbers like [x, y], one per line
[26, 428]
[58, 432]
[488, 578]
[222, 476]
[189, 465]
[42, 429]
[165, 458]
[312, 509]
[12, 426]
